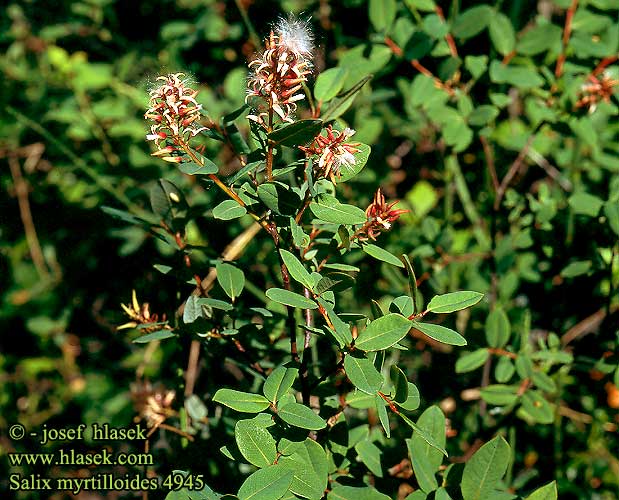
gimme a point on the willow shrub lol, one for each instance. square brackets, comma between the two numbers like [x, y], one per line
[306, 308]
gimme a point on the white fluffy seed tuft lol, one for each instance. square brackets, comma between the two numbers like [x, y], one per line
[295, 34]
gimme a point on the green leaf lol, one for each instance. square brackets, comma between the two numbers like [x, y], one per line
[329, 83]
[362, 373]
[338, 282]
[196, 409]
[311, 467]
[255, 442]
[454, 301]
[124, 216]
[472, 22]
[485, 469]
[192, 168]
[215, 303]
[342, 102]
[228, 209]
[547, 492]
[383, 332]
[370, 454]
[297, 269]
[278, 382]
[383, 416]
[498, 329]
[422, 5]
[382, 13]
[291, 299]
[413, 400]
[472, 360]
[504, 370]
[193, 310]
[537, 408]
[585, 204]
[425, 459]
[400, 384]
[278, 197]
[241, 401]
[476, 65]
[502, 33]
[298, 133]
[231, 279]
[158, 335]
[342, 332]
[270, 483]
[412, 281]
[482, 115]
[382, 254]
[577, 268]
[301, 416]
[348, 171]
[611, 211]
[520, 76]
[440, 333]
[499, 395]
[423, 434]
[327, 208]
[167, 202]
[340, 492]
[544, 382]
[540, 39]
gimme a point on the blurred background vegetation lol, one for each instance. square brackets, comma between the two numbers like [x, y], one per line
[74, 87]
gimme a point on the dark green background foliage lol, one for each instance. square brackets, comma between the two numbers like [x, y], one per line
[542, 245]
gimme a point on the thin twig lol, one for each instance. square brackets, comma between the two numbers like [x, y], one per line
[192, 368]
[513, 169]
[21, 191]
[567, 30]
[490, 162]
[303, 371]
[448, 37]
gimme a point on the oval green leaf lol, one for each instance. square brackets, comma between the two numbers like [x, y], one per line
[383, 332]
[269, 483]
[241, 401]
[255, 442]
[297, 269]
[301, 416]
[231, 279]
[228, 209]
[348, 171]
[328, 209]
[291, 299]
[472, 360]
[454, 301]
[382, 254]
[485, 469]
[278, 382]
[329, 83]
[498, 329]
[362, 373]
[440, 333]
[298, 133]
[340, 492]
